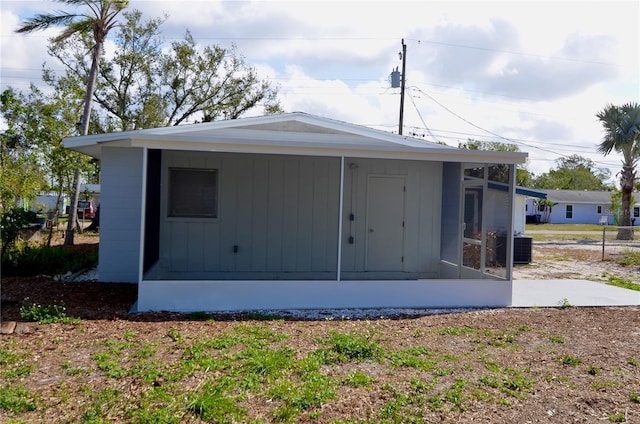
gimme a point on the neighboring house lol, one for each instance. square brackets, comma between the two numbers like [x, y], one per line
[46, 202]
[298, 211]
[582, 207]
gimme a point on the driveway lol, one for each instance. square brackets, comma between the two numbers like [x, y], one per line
[551, 293]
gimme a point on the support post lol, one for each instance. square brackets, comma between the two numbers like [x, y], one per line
[604, 232]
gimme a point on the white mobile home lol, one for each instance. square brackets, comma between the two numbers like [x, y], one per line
[298, 211]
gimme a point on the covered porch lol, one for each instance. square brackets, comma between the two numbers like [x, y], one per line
[330, 232]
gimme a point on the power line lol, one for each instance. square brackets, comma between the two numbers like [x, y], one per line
[512, 141]
[567, 59]
[479, 127]
[334, 39]
[420, 116]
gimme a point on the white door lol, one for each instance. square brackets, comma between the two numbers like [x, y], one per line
[385, 223]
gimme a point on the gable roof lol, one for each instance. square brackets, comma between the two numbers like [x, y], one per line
[294, 133]
[583, 196]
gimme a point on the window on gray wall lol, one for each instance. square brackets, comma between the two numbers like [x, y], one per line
[193, 193]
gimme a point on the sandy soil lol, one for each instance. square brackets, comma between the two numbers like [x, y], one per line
[575, 260]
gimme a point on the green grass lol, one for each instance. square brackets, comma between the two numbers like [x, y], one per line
[352, 346]
[624, 283]
[570, 360]
[14, 364]
[16, 399]
[418, 357]
[556, 339]
[604, 385]
[573, 232]
[222, 375]
[630, 258]
[357, 378]
[593, 370]
[215, 402]
[617, 418]
[563, 227]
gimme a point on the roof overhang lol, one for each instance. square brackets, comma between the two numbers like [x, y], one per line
[527, 192]
[288, 134]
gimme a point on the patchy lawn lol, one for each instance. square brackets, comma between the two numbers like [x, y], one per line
[492, 366]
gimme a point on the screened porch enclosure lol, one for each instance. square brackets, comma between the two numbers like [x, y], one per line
[254, 217]
[481, 247]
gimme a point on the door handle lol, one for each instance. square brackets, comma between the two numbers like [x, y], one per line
[371, 230]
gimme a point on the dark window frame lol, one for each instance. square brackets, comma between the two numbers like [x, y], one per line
[193, 193]
[568, 211]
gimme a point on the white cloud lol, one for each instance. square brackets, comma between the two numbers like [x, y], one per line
[534, 72]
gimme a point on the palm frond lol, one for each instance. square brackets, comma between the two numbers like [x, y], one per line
[41, 21]
[78, 27]
[622, 130]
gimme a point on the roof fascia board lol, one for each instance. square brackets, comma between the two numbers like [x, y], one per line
[582, 202]
[330, 150]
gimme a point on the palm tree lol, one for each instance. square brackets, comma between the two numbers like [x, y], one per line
[545, 206]
[98, 18]
[622, 134]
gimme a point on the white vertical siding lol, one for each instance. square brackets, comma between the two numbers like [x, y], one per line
[422, 212]
[280, 212]
[519, 216]
[121, 201]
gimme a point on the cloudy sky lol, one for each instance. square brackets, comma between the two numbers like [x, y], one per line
[532, 73]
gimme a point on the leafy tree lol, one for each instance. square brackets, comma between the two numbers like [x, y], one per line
[621, 125]
[574, 173]
[523, 176]
[97, 18]
[144, 86]
[21, 174]
[34, 158]
[216, 83]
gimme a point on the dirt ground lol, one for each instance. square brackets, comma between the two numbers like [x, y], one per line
[603, 387]
[571, 260]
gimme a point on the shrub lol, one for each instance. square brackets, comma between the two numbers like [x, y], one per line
[27, 259]
[11, 223]
[45, 314]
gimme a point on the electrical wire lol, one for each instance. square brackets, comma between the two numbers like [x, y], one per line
[512, 141]
[420, 116]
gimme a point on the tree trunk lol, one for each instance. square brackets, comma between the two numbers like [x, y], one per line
[626, 184]
[57, 210]
[86, 115]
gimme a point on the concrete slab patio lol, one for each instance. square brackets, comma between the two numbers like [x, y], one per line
[551, 293]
